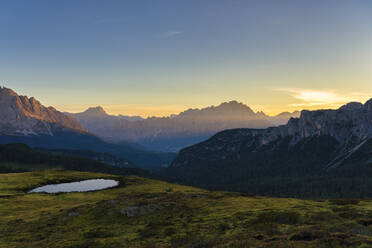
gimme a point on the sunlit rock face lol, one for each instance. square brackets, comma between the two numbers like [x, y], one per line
[351, 121]
[349, 126]
[20, 115]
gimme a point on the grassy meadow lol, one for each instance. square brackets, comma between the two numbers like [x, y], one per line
[149, 213]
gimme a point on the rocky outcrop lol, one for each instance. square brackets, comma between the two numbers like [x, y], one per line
[20, 115]
[140, 210]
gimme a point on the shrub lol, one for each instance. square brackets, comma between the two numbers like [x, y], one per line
[279, 217]
[365, 221]
[308, 235]
[223, 227]
[348, 212]
[344, 201]
[86, 244]
[149, 232]
[170, 231]
[97, 233]
[321, 216]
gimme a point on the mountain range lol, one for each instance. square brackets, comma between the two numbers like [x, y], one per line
[330, 149]
[25, 120]
[322, 153]
[176, 131]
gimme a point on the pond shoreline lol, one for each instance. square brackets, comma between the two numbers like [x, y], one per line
[88, 185]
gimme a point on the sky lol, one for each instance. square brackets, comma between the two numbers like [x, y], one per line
[154, 58]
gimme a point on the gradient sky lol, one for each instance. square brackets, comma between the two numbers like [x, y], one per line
[161, 57]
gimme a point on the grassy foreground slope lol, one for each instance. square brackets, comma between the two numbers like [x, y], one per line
[149, 213]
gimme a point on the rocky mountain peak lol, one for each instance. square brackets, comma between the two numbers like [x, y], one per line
[349, 122]
[232, 104]
[7, 92]
[368, 105]
[352, 106]
[20, 115]
[235, 106]
[95, 111]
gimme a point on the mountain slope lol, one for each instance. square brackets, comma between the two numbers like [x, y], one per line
[20, 115]
[25, 120]
[177, 131]
[77, 141]
[98, 156]
[320, 143]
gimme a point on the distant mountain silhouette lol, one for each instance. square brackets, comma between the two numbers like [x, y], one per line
[176, 131]
[131, 118]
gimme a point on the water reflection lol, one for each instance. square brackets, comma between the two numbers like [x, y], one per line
[81, 186]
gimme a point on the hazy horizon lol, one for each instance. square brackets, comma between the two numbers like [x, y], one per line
[107, 108]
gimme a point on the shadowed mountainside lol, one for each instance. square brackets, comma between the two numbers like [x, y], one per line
[17, 157]
[319, 147]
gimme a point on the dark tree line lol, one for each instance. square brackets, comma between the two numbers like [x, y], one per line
[27, 159]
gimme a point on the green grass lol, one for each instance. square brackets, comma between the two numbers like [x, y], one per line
[179, 216]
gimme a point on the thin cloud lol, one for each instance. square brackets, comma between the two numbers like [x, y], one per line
[313, 104]
[315, 96]
[173, 33]
[362, 94]
[310, 97]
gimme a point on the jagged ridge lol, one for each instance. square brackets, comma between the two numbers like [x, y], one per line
[177, 131]
[20, 115]
[350, 126]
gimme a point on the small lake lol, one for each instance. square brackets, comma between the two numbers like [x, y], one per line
[81, 186]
